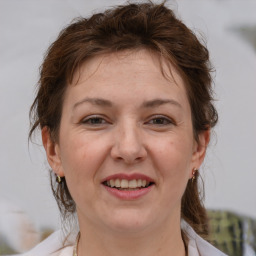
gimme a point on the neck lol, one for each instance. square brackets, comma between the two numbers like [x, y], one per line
[158, 242]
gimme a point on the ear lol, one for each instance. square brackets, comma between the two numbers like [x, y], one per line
[200, 147]
[52, 152]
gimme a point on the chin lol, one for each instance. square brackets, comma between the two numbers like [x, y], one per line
[129, 220]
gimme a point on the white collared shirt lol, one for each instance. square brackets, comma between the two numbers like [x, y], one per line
[53, 245]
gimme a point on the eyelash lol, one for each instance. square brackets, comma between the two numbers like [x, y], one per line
[164, 121]
[88, 120]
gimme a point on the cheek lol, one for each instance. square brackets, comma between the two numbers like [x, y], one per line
[174, 169]
[174, 155]
[79, 166]
[173, 162]
[82, 156]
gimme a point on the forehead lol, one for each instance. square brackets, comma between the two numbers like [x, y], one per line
[123, 62]
[133, 74]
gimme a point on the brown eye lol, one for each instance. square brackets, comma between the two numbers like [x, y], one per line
[95, 120]
[160, 121]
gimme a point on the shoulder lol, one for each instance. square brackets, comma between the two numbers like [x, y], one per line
[58, 245]
[197, 246]
[55, 245]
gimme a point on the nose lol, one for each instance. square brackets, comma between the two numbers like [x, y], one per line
[128, 144]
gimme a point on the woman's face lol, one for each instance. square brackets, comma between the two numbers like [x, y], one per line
[126, 145]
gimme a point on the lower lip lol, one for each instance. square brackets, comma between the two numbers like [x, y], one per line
[129, 194]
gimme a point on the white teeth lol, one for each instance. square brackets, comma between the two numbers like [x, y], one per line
[126, 184]
[133, 184]
[117, 183]
[112, 183]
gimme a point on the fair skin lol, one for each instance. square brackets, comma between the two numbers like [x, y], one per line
[122, 117]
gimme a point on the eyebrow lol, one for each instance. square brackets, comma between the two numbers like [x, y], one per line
[94, 101]
[159, 102]
[145, 104]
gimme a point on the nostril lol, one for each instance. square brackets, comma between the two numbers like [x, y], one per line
[128, 150]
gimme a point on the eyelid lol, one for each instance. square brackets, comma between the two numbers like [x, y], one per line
[171, 121]
[94, 116]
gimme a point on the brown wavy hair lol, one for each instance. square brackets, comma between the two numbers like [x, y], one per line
[129, 27]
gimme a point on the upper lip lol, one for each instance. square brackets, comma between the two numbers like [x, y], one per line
[125, 176]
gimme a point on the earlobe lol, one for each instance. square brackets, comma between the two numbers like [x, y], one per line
[52, 152]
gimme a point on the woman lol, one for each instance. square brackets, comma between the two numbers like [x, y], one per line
[125, 108]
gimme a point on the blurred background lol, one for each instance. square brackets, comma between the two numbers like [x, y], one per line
[28, 27]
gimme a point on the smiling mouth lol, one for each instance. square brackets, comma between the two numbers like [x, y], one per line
[127, 185]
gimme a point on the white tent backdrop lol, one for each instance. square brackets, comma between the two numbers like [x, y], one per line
[26, 30]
